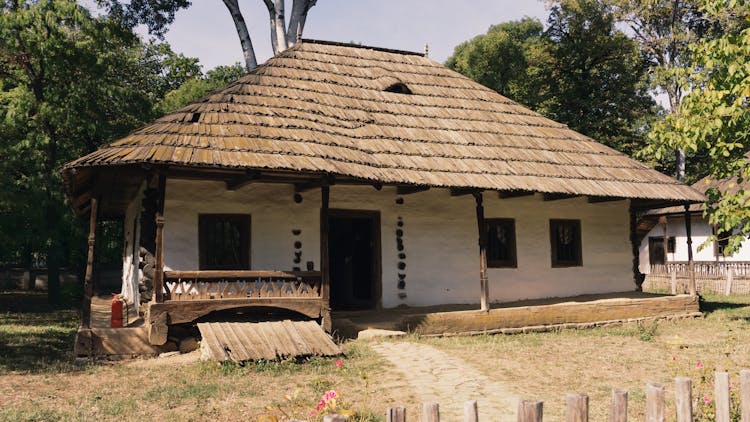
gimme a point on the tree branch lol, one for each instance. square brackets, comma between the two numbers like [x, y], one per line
[245, 41]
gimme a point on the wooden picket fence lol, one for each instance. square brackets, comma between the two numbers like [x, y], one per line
[578, 404]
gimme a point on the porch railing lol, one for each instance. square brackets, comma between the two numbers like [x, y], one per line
[217, 285]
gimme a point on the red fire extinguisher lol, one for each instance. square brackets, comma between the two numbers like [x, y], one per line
[117, 306]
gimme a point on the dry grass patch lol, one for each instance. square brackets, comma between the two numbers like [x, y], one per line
[546, 366]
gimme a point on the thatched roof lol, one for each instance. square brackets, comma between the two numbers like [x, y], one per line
[327, 108]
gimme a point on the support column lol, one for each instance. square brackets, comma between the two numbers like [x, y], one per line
[665, 241]
[483, 282]
[159, 252]
[691, 264]
[88, 279]
[634, 247]
[325, 286]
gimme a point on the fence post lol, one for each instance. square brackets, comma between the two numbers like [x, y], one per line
[395, 414]
[721, 393]
[730, 278]
[430, 412]
[683, 390]
[470, 411]
[654, 402]
[530, 411]
[674, 281]
[619, 409]
[578, 407]
[745, 393]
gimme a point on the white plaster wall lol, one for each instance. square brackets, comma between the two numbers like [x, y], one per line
[440, 239]
[274, 215]
[700, 232]
[131, 239]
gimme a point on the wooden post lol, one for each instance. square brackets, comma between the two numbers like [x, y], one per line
[88, 278]
[619, 410]
[691, 264]
[683, 398]
[721, 393]
[654, 403]
[325, 286]
[730, 279]
[530, 411]
[470, 411]
[634, 248]
[430, 412]
[665, 238]
[673, 280]
[159, 253]
[745, 395]
[578, 407]
[483, 282]
[395, 414]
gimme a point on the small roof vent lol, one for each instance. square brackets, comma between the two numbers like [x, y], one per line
[398, 88]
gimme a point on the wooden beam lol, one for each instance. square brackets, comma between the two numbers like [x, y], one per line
[558, 196]
[483, 281]
[159, 253]
[88, 278]
[239, 181]
[598, 199]
[505, 194]
[464, 191]
[635, 250]
[325, 283]
[409, 189]
[691, 264]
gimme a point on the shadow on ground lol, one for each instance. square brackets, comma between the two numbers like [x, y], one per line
[34, 336]
[734, 307]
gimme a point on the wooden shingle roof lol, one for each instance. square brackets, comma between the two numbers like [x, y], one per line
[328, 108]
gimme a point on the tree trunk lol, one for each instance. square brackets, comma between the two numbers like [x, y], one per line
[297, 19]
[674, 95]
[239, 23]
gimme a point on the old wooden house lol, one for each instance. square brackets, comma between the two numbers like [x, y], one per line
[349, 178]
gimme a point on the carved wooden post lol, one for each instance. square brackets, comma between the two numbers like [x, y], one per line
[691, 264]
[578, 407]
[470, 411]
[325, 286]
[159, 253]
[654, 403]
[430, 412]
[745, 395]
[395, 414]
[665, 239]
[634, 246]
[483, 282]
[88, 279]
[721, 396]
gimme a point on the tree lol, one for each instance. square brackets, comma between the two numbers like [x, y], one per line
[581, 71]
[158, 14]
[664, 30]
[714, 117]
[195, 88]
[68, 82]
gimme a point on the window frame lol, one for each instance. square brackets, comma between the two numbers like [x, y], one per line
[245, 222]
[512, 262]
[555, 261]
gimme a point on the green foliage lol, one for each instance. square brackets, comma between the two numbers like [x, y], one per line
[581, 71]
[197, 87]
[69, 82]
[714, 119]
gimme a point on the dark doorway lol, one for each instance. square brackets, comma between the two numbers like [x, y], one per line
[354, 256]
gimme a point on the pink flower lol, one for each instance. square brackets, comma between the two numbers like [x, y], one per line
[706, 400]
[674, 358]
[699, 365]
[339, 363]
[321, 405]
[313, 413]
[329, 395]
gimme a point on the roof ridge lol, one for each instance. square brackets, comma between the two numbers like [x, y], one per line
[360, 46]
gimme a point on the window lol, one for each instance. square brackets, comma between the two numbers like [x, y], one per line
[501, 242]
[224, 241]
[670, 244]
[656, 253]
[565, 242]
[722, 241]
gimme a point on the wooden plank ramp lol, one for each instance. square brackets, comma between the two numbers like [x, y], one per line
[248, 341]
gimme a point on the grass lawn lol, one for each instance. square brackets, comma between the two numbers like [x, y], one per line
[39, 379]
[546, 366]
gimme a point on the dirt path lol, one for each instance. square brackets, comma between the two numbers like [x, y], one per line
[438, 377]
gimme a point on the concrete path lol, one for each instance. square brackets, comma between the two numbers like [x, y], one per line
[438, 377]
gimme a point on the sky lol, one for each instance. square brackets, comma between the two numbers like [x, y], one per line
[205, 30]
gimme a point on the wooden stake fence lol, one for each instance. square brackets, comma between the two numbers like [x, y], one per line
[578, 404]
